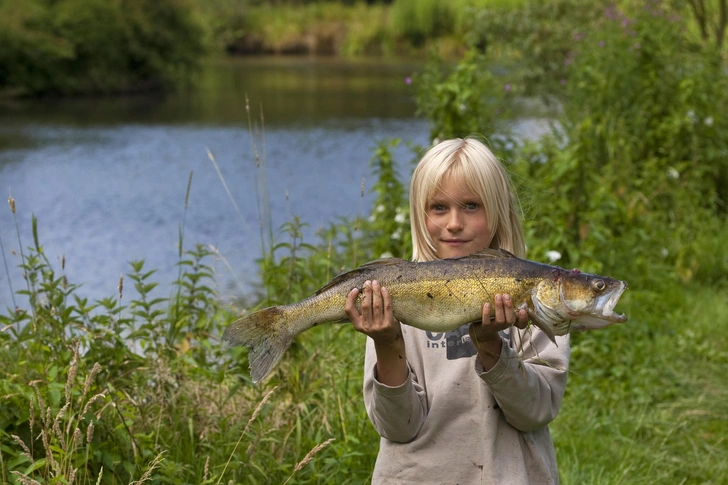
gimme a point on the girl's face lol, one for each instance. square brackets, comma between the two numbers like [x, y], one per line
[456, 221]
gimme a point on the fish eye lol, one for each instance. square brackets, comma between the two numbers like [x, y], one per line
[599, 285]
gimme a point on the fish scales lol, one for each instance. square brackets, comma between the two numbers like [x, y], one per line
[438, 296]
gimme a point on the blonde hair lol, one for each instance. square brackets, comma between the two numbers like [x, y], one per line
[467, 161]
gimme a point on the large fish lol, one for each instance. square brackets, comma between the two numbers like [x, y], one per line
[438, 296]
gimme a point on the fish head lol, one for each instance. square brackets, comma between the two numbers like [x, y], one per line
[572, 300]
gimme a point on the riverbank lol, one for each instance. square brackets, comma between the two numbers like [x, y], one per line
[402, 28]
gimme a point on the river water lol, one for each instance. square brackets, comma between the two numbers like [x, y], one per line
[107, 178]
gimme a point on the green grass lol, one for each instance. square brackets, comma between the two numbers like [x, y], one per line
[648, 402]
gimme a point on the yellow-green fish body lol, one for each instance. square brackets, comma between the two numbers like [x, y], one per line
[438, 296]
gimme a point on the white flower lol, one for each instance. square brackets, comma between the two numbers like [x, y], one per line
[672, 173]
[380, 208]
[397, 235]
[386, 254]
[663, 253]
[400, 218]
[371, 218]
[708, 121]
[553, 256]
[691, 116]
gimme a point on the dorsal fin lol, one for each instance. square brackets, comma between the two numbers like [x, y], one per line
[489, 253]
[377, 263]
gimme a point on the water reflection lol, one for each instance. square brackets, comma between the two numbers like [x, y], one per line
[107, 177]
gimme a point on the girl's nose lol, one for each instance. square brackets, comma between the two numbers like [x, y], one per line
[454, 221]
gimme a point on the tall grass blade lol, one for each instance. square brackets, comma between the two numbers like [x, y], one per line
[245, 430]
[11, 202]
[227, 190]
[7, 274]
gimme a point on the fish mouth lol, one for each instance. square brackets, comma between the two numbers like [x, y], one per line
[608, 301]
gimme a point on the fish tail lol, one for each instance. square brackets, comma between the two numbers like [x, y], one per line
[266, 337]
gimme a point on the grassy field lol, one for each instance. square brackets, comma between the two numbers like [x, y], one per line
[646, 401]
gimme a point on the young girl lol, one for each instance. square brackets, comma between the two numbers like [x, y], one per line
[472, 405]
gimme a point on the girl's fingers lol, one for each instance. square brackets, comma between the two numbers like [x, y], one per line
[366, 303]
[387, 300]
[510, 315]
[500, 314]
[486, 313]
[522, 319]
[377, 307]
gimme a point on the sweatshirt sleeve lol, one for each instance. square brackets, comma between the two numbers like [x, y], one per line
[529, 379]
[397, 413]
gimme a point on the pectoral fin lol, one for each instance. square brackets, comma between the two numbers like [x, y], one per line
[542, 325]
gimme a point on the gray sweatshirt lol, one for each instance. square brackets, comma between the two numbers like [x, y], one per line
[453, 423]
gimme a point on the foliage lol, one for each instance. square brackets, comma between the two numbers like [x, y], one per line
[97, 46]
[387, 229]
[632, 177]
[418, 20]
[461, 101]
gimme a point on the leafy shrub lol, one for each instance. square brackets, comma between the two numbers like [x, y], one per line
[465, 100]
[417, 21]
[81, 46]
[638, 174]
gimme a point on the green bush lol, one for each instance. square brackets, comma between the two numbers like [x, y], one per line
[465, 100]
[418, 21]
[95, 46]
[638, 172]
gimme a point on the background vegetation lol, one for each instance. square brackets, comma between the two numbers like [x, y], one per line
[97, 46]
[631, 183]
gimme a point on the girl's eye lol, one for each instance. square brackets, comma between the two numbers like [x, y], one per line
[471, 206]
[437, 207]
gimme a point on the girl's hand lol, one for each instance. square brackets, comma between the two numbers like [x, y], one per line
[376, 318]
[505, 316]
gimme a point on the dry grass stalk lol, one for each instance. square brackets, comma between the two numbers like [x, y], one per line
[46, 445]
[227, 190]
[90, 432]
[11, 202]
[76, 438]
[24, 480]
[207, 469]
[72, 371]
[41, 403]
[57, 426]
[72, 475]
[259, 407]
[31, 414]
[89, 379]
[252, 418]
[91, 401]
[147, 475]
[48, 423]
[309, 457]
[26, 450]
